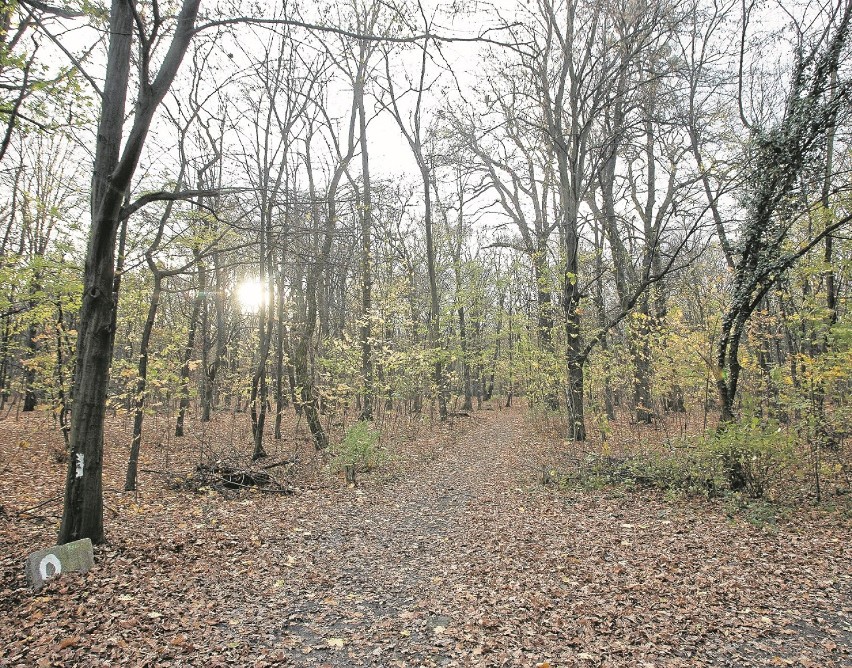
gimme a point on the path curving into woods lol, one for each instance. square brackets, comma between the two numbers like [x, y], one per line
[457, 557]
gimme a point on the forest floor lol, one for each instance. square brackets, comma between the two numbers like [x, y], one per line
[451, 554]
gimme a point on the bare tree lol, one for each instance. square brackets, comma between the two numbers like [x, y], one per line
[412, 125]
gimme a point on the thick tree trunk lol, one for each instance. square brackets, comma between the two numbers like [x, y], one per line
[259, 400]
[30, 396]
[600, 308]
[308, 402]
[62, 406]
[4, 360]
[570, 305]
[414, 314]
[510, 349]
[82, 515]
[576, 413]
[727, 359]
[291, 372]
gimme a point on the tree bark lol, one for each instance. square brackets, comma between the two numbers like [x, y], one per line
[368, 395]
[82, 515]
[183, 406]
[141, 384]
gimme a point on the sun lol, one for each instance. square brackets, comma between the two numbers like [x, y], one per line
[251, 295]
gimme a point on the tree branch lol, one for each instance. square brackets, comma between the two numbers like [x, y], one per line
[314, 27]
[61, 12]
[171, 196]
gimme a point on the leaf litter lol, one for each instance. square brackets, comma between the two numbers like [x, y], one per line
[456, 556]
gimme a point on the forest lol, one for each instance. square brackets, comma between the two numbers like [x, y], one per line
[427, 333]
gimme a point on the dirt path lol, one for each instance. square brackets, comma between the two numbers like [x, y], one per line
[463, 559]
[470, 562]
[396, 563]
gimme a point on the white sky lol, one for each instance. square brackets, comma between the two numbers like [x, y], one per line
[390, 154]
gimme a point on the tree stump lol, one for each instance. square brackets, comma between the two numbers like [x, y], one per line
[349, 472]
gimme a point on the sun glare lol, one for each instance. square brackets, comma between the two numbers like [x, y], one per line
[251, 295]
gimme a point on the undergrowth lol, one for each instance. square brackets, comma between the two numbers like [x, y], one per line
[359, 448]
[749, 460]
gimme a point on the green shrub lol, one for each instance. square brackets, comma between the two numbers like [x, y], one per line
[746, 458]
[753, 454]
[359, 448]
[690, 473]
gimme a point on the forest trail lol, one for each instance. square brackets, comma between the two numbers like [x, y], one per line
[469, 560]
[403, 571]
[454, 555]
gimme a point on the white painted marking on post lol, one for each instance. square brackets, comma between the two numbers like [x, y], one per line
[49, 560]
[80, 459]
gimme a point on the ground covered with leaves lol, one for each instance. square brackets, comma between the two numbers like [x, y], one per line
[452, 553]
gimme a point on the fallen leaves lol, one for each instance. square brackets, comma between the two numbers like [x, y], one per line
[437, 566]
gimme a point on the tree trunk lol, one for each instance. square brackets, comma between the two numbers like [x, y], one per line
[309, 403]
[259, 386]
[30, 397]
[570, 305]
[141, 383]
[183, 406]
[544, 314]
[368, 395]
[434, 303]
[82, 515]
[30, 400]
[279, 358]
[641, 352]
[4, 360]
[211, 369]
[576, 415]
[63, 408]
[466, 379]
